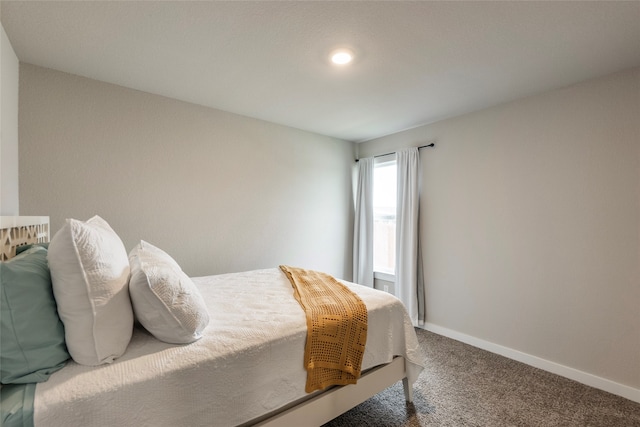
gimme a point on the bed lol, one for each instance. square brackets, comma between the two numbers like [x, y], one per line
[246, 369]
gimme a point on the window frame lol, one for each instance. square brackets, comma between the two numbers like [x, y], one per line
[383, 161]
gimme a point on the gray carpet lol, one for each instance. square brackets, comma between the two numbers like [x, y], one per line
[465, 386]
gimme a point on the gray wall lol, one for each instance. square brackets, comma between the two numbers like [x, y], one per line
[531, 225]
[9, 196]
[219, 192]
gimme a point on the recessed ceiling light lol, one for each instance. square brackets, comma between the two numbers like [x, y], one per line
[341, 56]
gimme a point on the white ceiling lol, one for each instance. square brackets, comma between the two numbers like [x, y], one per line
[417, 62]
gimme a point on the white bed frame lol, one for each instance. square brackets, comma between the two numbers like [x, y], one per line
[311, 411]
[321, 408]
[17, 231]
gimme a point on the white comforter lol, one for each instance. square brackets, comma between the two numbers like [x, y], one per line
[248, 363]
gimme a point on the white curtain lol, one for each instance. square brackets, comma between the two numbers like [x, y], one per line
[363, 224]
[409, 283]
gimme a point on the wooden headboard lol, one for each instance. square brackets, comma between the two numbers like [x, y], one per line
[21, 230]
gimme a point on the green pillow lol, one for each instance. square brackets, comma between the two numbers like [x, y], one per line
[24, 248]
[32, 344]
[16, 405]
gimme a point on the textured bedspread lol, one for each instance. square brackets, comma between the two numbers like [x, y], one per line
[248, 363]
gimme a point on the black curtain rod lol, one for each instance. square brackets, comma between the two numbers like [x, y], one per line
[433, 144]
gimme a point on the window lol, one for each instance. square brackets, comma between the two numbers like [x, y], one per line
[384, 216]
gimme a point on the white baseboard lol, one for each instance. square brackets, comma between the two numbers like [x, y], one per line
[537, 362]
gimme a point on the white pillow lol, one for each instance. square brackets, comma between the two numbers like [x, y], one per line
[165, 300]
[90, 273]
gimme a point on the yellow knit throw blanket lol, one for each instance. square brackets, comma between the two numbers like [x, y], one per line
[336, 328]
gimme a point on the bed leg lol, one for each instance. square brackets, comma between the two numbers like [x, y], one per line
[408, 390]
